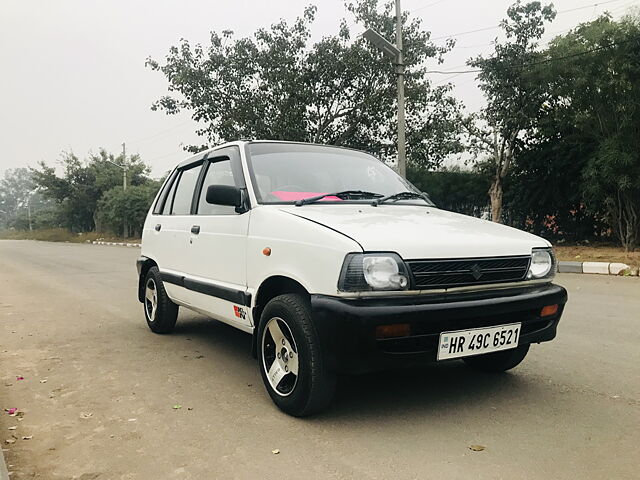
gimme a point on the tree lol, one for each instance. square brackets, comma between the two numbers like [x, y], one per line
[19, 199]
[276, 85]
[581, 163]
[513, 95]
[82, 184]
[597, 87]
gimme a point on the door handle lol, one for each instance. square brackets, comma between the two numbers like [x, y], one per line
[195, 229]
[158, 227]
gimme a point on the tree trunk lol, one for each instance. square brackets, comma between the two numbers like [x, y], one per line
[627, 221]
[495, 194]
[97, 222]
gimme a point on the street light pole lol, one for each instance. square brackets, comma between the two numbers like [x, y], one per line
[395, 53]
[402, 150]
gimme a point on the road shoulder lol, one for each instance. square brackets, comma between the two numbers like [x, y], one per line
[4, 473]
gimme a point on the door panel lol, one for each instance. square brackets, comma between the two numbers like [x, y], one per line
[175, 233]
[218, 242]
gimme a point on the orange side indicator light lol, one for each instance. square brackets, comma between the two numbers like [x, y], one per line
[266, 251]
[395, 330]
[549, 310]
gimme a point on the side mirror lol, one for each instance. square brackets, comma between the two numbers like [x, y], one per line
[228, 196]
[224, 195]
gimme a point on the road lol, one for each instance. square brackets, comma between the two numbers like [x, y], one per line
[99, 392]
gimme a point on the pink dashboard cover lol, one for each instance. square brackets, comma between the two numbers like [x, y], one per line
[293, 196]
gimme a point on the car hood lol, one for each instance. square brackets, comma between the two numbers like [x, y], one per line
[419, 231]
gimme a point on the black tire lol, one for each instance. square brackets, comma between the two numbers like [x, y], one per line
[498, 361]
[312, 389]
[163, 318]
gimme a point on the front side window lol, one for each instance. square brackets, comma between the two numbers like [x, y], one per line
[218, 173]
[287, 172]
[184, 192]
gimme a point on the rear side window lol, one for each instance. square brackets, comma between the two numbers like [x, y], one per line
[184, 192]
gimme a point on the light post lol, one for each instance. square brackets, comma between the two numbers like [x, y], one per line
[395, 53]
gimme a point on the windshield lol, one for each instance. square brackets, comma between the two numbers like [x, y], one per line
[289, 172]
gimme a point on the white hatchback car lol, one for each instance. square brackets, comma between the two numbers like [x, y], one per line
[335, 264]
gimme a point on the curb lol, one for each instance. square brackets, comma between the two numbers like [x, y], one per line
[598, 268]
[119, 244]
[4, 473]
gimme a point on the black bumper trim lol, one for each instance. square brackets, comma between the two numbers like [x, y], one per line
[347, 326]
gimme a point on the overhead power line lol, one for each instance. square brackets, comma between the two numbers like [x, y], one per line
[425, 6]
[160, 133]
[493, 27]
[540, 62]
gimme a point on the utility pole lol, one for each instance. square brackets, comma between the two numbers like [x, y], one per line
[29, 213]
[29, 206]
[402, 149]
[124, 165]
[124, 186]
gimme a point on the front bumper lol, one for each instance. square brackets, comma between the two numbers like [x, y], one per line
[347, 325]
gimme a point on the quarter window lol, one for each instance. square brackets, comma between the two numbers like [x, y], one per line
[184, 192]
[166, 209]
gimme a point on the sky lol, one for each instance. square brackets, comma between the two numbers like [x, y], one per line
[73, 75]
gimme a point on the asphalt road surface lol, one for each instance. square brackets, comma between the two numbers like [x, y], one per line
[99, 392]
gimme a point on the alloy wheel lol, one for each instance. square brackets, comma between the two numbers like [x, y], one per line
[280, 356]
[151, 300]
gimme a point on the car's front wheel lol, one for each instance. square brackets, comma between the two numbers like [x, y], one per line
[160, 312]
[291, 360]
[498, 361]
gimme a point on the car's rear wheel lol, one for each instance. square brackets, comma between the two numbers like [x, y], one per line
[498, 361]
[291, 360]
[160, 312]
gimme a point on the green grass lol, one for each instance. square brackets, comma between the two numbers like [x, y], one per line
[61, 235]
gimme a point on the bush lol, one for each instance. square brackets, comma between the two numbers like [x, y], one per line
[452, 189]
[118, 206]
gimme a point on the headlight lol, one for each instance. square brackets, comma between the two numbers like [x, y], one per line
[542, 264]
[373, 271]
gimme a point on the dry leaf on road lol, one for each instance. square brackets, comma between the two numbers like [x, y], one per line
[477, 448]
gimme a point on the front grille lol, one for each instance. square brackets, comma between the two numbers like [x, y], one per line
[467, 271]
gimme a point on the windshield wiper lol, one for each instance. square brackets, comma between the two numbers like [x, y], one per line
[402, 196]
[347, 194]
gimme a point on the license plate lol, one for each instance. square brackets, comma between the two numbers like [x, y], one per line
[464, 343]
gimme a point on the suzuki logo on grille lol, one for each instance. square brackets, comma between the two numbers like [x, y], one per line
[476, 272]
